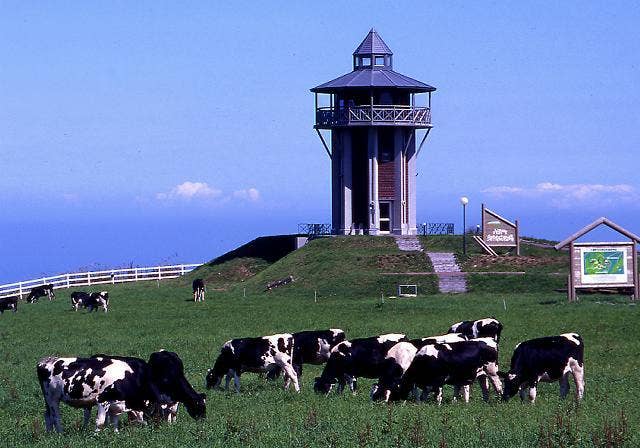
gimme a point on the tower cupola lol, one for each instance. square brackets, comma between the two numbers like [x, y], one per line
[373, 53]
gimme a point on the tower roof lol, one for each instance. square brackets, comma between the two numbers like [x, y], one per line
[372, 68]
[372, 44]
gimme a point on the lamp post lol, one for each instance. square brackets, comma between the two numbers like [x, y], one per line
[464, 201]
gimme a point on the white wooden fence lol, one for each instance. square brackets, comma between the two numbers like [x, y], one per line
[111, 276]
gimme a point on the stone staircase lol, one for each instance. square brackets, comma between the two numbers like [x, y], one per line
[450, 278]
[408, 243]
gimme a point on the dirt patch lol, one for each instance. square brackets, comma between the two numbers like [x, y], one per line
[487, 262]
[402, 263]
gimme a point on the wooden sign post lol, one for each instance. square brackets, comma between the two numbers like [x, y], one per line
[498, 232]
[602, 265]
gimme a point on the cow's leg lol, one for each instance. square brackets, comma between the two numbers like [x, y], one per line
[491, 371]
[533, 391]
[236, 381]
[439, 395]
[102, 416]
[564, 384]
[227, 379]
[465, 393]
[483, 382]
[456, 392]
[578, 377]
[524, 390]
[86, 417]
[289, 373]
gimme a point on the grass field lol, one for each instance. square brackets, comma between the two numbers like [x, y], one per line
[144, 318]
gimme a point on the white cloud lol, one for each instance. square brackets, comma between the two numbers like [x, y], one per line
[190, 190]
[250, 194]
[568, 195]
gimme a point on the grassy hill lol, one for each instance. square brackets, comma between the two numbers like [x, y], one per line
[346, 272]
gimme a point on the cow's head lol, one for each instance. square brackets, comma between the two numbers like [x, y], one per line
[512, 385]
[322, 385]
[197, 406]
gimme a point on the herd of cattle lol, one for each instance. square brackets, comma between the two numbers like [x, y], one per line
[401, 366]
[79, 299]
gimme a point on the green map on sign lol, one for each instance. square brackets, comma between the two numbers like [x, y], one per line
[604, 262]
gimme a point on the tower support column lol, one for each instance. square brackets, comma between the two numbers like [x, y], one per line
[342, 183]
[374, 204]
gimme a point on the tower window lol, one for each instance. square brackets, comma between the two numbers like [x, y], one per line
[379, 60]
[365, 62]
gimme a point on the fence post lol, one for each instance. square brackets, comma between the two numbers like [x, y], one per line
[88, 278]
[181, 269]
[68, 282]
[136, 277]
[20, 287]
[159, 275]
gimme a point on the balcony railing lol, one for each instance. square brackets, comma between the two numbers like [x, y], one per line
[327, 117]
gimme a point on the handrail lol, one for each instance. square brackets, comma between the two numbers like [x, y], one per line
[380, 114]
[113, 276]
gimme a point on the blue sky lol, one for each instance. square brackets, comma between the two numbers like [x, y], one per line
[141, 131]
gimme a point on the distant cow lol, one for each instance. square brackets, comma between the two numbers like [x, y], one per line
[455, 363]
[93, 301]
[546, 359]
[349, 360]
[198, 290]
[9, 303]
[482, 328]
[41, 291]
[116, 384]
[261, 354]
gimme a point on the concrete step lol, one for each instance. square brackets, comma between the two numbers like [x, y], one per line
[450, 277]
[408, 243]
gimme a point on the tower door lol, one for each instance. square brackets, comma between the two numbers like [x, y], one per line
[385, 217]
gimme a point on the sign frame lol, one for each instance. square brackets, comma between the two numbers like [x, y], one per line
[503, 229]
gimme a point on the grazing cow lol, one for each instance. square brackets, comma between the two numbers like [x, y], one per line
[41, 291]
[261, 354]
[547, 359]
[198, 290]
[9, 303]
[312, 347]
[91, 301]
[167, 373]
[362, 357]
[455, 363]
[396, 363]
[117, 384]
[481, 328]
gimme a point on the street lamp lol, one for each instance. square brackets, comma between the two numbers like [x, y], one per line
[464, 201]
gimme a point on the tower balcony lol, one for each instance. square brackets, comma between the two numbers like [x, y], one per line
[373, 115]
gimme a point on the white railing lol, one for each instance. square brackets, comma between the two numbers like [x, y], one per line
[111, 276]
[376, 114]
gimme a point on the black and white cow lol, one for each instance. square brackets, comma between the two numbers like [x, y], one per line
[91, 301]
[396, 363]
[116, 384]
[547, 359]
[349, 360]
[261, 354]
[41, 291]
[312, 347]
[198, 290]
[455, 363]
[9, 303]
[481, 328]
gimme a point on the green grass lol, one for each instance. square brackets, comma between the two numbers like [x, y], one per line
[145, 318]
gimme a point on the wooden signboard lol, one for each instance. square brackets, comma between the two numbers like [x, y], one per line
[602, 265]
[498, 231]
